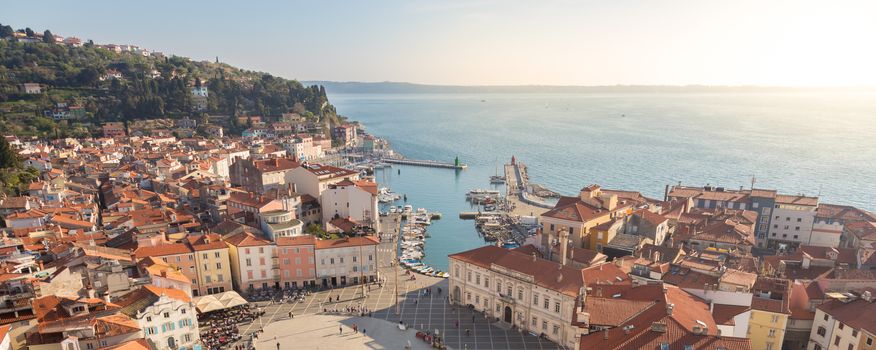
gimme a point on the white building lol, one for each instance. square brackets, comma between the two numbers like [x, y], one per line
[792, 220]
[346, 261]
[167, 316]
[531, 293]
[313, 179]
[844, 323]
[356, 200]
[280, 223]
[200, 91]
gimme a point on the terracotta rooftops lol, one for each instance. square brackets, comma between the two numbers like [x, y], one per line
[547, 274]
[346, 242]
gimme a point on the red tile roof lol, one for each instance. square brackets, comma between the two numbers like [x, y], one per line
[547, 274]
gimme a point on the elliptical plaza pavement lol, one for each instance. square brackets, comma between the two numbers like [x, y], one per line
[419, 311]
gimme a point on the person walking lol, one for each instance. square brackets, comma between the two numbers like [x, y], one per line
[340, 330]
[278, 345]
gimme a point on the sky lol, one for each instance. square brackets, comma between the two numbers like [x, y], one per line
[487, 42]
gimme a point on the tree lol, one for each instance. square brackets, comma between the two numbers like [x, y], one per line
[8, 157]
[48, 37]
[29, 32]
[6, 31]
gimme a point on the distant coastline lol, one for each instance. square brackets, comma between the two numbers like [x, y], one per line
[401, 87]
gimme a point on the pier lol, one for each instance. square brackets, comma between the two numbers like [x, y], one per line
[516, 182]
[426, 163]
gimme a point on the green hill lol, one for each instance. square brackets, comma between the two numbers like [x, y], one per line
[123, 86]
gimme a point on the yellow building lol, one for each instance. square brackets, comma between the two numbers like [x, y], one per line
[603, 233]
[579, 215]
[214, 266]
[868, 341]
[770, 310]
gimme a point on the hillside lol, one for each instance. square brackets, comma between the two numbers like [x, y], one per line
[105, 85]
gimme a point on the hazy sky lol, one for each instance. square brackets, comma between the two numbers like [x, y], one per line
[728, 42]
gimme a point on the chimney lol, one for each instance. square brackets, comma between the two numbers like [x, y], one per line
[564, 246]
[605, 334]
[534, 258]
[669, 308]
[599, 292]
[867, 296]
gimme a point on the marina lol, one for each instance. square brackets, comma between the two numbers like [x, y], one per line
[412, 242]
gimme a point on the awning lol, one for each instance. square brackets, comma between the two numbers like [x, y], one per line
[214, 302]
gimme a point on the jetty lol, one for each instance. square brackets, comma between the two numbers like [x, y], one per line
[427, 163]
[517, 182]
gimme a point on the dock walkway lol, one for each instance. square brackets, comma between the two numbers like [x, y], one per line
[426, 163]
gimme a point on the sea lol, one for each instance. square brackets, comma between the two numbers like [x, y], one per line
[813, 143]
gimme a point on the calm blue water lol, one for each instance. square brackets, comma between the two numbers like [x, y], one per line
[807, 143]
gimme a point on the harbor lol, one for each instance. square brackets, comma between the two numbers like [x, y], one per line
[508, 219]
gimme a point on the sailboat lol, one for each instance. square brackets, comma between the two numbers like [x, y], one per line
[497, 179]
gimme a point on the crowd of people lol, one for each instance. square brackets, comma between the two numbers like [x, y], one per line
[219, 328]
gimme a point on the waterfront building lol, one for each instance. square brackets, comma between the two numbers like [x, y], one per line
[354, 200]
[297, 259]
[521, 290]
[345, 261]
[253, 262]
[792, 221]
[578, 215]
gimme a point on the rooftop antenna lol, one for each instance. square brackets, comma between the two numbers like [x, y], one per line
[753, 180]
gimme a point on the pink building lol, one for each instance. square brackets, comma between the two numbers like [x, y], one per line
[297, 261]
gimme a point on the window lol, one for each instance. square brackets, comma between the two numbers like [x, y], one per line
[772, 333]
[477, 278]
[208, 279]
[261, 250]
[535, 299]
[477, 299]
[775, 319]
[769, 346]
[552, 227]
[468, 276]
[544, 325]
[556, 329]
[547, 303]
[166, 315]
[799, 219]
[664, 346]
[216, 255]
[557, 306]
[854, 333]
[797, 228]
[836, 341]
[534, 321]
[285, 261]
[520, 293]
[354, 259]
[218, 266]
[841, 326]
[826, 317]
[248, 262]
[817, 347]
[204, 255]
[456, 271]
[486, 282]
[148, 318]
[869, 341]
[821, 331]
[219, 278]
[851, 347]
[499, 287]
